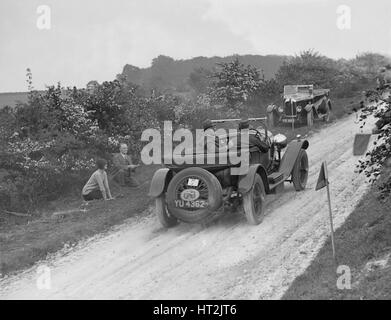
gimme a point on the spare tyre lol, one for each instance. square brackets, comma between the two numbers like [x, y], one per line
[193, 194]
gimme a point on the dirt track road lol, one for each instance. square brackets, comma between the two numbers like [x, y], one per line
[227, 260]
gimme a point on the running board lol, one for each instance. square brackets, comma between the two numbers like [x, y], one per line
[275, 178]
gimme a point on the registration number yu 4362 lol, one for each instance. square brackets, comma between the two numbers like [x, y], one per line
[189, 198]
[191, 204]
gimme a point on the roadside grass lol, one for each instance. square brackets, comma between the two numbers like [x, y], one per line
[23, 241]
[363, 244]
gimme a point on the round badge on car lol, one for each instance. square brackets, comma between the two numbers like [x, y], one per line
[190, 194]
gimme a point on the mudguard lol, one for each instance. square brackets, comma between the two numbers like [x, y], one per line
[159, 182]
[246, 182]
[329, 104]
[308, 108]
[289, 158]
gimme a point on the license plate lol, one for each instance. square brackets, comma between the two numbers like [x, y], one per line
[289, 120]
[191, 204]
[193, 182]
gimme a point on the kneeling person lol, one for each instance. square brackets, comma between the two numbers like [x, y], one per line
[97, 187]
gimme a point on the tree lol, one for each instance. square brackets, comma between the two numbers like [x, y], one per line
[234, 83]
[368, 64]
[269, 90]
[104, 105]
[29, 79]
[200, 80]
[308, 68]
[162, 73]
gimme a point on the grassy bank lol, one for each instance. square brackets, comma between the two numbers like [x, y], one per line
[364, 245]
[24, 240]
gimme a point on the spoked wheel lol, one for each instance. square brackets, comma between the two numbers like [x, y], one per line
[193, 195]
[300, 171]
[165, 218]
[254, 202]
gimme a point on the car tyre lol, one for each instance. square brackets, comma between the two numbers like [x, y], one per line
[165, 218]
[254, 202]
[300, 171]
[213, 189]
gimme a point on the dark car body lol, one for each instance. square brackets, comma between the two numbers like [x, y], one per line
[301, 104]
[172, 185]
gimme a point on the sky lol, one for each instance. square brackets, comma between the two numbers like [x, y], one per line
[94, 39]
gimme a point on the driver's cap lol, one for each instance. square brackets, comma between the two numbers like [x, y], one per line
[207, 124]
[244, 124]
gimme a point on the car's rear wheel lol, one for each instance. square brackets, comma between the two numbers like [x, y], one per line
[300, 171]
[193, 194]
[254, 202]
[165, 218]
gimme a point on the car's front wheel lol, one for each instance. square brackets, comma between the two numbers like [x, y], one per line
[254, 202]
[162, 213]
[300, 171]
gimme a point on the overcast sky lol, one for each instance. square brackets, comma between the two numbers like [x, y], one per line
[94, 39]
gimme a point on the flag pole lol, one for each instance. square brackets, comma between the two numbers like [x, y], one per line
[330, 212]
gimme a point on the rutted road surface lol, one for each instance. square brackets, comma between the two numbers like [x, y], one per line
[226, 260]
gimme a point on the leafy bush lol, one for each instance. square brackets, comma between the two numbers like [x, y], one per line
[234, 84]
[308, 68]
[380, 155]
[50, 143]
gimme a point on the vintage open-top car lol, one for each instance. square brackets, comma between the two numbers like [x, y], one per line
[301, 104]
[196, 193]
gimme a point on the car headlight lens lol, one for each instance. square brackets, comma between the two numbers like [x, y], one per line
[280, 109]
[280, 139]
[299, 108]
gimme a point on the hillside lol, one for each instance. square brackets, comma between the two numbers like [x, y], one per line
[166, 73]
[12, 98]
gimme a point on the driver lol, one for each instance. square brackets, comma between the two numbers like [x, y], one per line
[253, 140]
[212, 145]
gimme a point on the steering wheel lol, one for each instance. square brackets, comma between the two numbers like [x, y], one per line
[258, 134]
